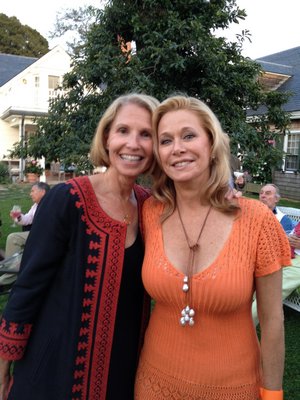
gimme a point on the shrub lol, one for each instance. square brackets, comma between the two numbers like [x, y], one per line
[4, 173]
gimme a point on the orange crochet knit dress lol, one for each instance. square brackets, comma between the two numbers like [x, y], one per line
[219, 357]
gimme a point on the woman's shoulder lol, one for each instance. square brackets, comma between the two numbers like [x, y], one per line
[152, 204]
[63, 192]
[59, 189]
[254, 205]
[153, 208]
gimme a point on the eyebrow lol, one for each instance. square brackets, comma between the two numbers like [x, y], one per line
[266, 192]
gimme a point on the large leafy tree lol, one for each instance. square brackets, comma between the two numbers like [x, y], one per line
[178, 48]
[72, 25]
[19, 39]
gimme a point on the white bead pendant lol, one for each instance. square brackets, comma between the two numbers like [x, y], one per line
[187, 316]
[185, 286]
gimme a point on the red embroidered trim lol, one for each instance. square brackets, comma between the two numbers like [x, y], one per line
[102, 281]
[13, 339]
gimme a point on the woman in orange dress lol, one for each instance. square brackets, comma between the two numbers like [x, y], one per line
[205, 256]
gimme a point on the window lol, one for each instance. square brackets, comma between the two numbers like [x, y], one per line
[293, 149]
[36, 90]
[53, 82]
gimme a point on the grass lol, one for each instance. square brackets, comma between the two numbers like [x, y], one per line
[10, 195]
[292, 357]
[19, 194]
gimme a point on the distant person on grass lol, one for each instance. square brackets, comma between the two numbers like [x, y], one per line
[15, 241]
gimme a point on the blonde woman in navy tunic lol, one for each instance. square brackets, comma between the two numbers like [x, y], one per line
[75, 318]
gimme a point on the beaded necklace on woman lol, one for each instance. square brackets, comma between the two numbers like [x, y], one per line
[188, 313]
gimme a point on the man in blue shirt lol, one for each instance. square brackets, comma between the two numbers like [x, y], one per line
[269, 195]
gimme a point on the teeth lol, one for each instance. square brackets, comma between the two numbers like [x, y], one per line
[130, 157]
[181, 164]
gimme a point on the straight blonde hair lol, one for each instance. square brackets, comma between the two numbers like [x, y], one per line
[220, 172]
[98, 153]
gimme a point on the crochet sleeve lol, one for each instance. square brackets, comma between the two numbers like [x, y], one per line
[273, 248]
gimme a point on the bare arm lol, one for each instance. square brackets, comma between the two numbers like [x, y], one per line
[270, 313]
[294, 241]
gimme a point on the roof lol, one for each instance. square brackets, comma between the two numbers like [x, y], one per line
[287, 64]
[11, 65]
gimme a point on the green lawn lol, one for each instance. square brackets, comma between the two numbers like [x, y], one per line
[10, 195]
[19, 194]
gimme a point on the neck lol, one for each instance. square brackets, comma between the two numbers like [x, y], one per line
[191, 199]
[119, 186]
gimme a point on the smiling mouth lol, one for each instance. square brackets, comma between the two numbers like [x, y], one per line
[181, 164]
[129, 157]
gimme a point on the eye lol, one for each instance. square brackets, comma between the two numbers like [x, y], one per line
[164, 141]
[189, 136]
[146, 134]
[122, 129]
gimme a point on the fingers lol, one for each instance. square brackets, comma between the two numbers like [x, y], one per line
[4, 390]
[5, 378]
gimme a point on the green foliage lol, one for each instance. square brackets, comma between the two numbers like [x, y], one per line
[69, 137]
[259, 142]
[4, 173]
[74, 22]
[177, 50]
[19, 39]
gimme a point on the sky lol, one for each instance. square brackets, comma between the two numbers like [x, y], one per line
[273, 24]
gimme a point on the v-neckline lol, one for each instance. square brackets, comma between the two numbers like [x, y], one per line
[209, 267]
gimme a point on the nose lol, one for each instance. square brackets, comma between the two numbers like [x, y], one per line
[133, 141]
[178, 147]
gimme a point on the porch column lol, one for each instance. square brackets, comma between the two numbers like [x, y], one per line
[42, 163]
[21, 137]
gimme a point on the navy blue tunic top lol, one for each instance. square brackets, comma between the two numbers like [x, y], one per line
[61, 322]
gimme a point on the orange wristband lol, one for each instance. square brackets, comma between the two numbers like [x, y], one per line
[266, 394]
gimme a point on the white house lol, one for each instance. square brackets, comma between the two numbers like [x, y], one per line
[26, 86]
[282, 73]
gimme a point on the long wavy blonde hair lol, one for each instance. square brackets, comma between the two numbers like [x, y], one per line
[99, 154]
[218, 183]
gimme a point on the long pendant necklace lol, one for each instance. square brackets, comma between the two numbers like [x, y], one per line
[127, 218]
[188, 313]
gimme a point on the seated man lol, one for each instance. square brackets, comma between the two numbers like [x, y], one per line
[15, 241]
[270, 196]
